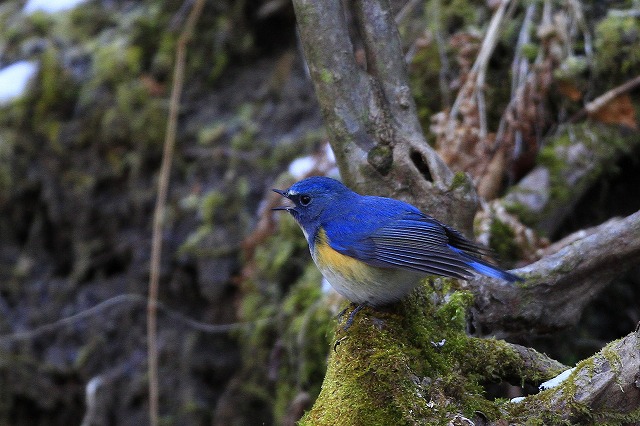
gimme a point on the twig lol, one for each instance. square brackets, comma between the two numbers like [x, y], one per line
[593, 106]
[631, 13]
[475, 83]
[445, 69]
[519, 79]
[519, 68]
[90, 391]
[158, 217]
[578, 14]
[122, 299]
[406, 10]
[488, 46]
[46, 328]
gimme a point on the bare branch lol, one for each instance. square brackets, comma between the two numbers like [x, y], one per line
[596, 104]
[342, 88]
[121, 301]
[558, 286]
[475, 82]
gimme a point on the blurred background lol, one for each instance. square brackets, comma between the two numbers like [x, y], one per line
[84, 98]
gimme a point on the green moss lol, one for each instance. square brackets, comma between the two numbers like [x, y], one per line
[116, 61]
[381, 158]
[220, 62]
[526, 216]
[502, 242]
[530, 51]
[193, 242]
[460, 181]
[87, 21]
[41, 22]
[298, 327]
[537, 409]
[571, 68]
[7, 144]
[53, 96]
[556, 154]
[423, 78]
[326, 76]
[90, 351]
[589, 147]
[162, 61]
[617, 47]
[135, 117]
[275, 256]
[307, 335]
[245, 139]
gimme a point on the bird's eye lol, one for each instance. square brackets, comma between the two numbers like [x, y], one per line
[305, 200]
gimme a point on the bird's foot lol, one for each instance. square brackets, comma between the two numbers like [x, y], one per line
[352, 315]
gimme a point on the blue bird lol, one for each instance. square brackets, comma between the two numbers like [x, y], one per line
[375, 250]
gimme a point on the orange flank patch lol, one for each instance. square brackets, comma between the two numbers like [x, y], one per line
[341, 264]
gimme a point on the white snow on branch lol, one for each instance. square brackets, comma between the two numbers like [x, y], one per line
[556, 380]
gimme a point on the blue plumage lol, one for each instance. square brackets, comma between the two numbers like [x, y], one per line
[375, 249]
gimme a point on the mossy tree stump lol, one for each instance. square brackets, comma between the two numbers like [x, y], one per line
[413, 363]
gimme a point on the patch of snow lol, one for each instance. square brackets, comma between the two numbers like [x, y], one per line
[329, 153]
[14, 80]
[556, 380]
[301, 167]
[50, 6]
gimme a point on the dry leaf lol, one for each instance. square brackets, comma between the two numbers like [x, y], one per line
[152, 85]
[619, 110]
[568, 89]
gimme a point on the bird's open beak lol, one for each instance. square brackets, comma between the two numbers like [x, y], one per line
[285, 195]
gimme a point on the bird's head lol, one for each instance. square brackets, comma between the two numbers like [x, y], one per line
[311, 197]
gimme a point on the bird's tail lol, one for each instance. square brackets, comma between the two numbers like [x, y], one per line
[485, 268]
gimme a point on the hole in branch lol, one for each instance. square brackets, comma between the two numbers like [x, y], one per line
[421, 165]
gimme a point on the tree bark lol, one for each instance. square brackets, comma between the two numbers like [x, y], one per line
[560, 285]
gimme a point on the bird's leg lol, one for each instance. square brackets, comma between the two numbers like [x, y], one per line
[342, 312]
[353, 313]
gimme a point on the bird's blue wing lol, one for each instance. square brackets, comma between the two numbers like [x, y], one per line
[420, 245]
[397, 235]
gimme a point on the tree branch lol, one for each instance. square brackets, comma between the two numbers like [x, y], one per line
[560, 285]
[518, 363]
[604, 388]
[370, 113]
[596, 104]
